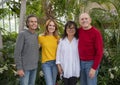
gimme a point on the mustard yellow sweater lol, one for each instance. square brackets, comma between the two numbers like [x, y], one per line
[49, 47]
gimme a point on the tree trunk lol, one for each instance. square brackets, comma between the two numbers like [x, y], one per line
[22, 15]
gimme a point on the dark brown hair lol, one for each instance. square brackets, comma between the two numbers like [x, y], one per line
[68, 25]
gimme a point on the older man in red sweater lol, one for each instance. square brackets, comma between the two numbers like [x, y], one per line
[90, 48]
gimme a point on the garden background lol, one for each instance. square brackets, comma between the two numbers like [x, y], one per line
[105, 16]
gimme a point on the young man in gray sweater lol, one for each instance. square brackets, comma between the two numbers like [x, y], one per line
[27, 52]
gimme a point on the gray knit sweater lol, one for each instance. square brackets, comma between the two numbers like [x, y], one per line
[26, 51]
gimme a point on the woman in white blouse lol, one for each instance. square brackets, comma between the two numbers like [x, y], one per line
[67, 58]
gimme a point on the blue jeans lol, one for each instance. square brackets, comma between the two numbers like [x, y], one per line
[50, 72]
[29, 77]
[84, 74]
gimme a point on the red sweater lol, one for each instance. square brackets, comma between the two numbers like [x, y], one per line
[90, 46]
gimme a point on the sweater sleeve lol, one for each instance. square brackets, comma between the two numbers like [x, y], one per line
[18, 51]
[98, 49]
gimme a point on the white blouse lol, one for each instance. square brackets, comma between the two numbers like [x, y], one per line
[67, 56]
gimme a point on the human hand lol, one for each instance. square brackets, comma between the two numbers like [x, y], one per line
[60, 70]
[20, 73]
[92, 73]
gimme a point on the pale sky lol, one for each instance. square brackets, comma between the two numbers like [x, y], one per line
[9, 25]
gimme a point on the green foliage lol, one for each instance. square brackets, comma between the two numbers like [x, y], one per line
[3, 12]
[108, 73]
[35, 8]
[103, 18]
[14, 7]
[40, 77]
[7, 67]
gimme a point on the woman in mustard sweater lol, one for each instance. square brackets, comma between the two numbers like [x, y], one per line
[49, 42]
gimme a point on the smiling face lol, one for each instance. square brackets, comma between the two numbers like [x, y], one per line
[32, 23]
[51, 27]
[71, 30]
[85, 21]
